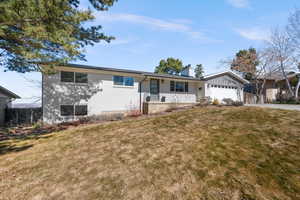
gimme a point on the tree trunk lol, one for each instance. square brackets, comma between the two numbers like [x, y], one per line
[286, 80]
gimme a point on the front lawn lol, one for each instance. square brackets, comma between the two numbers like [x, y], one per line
[202, 153]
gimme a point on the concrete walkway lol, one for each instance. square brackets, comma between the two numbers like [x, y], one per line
[277, 106]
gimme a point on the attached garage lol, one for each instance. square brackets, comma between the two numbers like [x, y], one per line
[224, 85]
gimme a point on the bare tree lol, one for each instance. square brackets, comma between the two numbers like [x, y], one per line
[256, 66]
[264, 69]
[282, 49]
[293, 30]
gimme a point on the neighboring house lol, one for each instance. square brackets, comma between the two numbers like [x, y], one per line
[6, 98]
[78, 90]
[276, 87]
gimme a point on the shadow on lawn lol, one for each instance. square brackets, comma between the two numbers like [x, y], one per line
[15, 144]
[10, 148]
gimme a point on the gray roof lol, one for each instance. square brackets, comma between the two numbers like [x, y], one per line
[143, 73]
[8, 93]
[230, 73]
[277, 76]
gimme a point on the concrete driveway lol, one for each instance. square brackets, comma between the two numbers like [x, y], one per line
[277, 106]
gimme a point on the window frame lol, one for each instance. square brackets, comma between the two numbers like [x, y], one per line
[78, 73]
[66, 72]
[74, 77]
[124, 81]
[66, 115]
[81, 105]
[174, 88]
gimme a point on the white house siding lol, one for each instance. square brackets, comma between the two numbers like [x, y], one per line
[100, 95]
[173, 97]
[222, 93]
[224, 87]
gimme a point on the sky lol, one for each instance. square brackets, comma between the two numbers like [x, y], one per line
[195, 31]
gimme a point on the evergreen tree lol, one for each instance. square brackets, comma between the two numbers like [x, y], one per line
[246, 61]
[33, 32]
[170, 66]
[199, 71]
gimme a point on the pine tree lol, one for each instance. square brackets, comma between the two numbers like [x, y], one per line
[51, 32]
[199, 71]
[170, 66]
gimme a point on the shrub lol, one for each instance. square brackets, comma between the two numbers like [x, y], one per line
[238, 103]
[228, 101]
[215, 102]
[37, 125]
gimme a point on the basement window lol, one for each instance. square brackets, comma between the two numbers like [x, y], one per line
[81, 110]
[71, 110]
[66, 110]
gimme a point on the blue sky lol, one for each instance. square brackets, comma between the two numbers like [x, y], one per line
[196, 31]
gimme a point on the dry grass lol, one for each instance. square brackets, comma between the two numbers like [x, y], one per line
[203, 153]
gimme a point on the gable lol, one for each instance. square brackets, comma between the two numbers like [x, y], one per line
[225, 80]
[6, 93]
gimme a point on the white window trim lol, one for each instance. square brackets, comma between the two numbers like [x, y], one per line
[122, 86]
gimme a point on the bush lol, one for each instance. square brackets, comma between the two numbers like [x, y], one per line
[238, 103]
[215, 102]
[228, 101]
[37, 125]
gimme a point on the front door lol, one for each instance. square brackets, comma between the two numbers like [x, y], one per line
[154, 89]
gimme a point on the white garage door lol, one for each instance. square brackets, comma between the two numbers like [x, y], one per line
[222, 92]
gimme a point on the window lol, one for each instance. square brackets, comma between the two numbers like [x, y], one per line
[179, 86]
[124, 81]
[81, 78]
[186, 87]
[172, 86]
[128, 81]
[71, 77]
[81, 110]
[67, 77]
[71, 110]
[66, 110]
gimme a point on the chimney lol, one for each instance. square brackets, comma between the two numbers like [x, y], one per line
[188, 71]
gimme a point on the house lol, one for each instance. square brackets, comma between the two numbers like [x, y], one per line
[275, 87]
[6, 97]
[80, 90]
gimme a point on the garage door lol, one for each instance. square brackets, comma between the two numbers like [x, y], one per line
[222, 92]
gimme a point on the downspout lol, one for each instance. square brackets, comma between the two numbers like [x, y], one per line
[141, 83]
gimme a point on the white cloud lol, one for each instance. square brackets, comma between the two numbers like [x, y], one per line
[255, 33]
[239, 3]
[182, 26]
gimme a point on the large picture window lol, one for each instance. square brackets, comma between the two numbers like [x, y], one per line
[123, 81]
[179, 86]
[73, 77]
